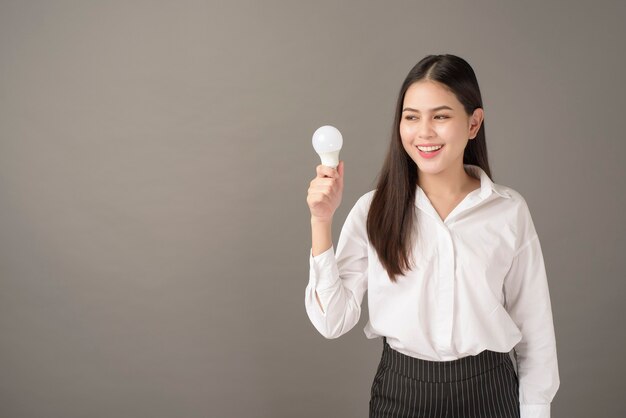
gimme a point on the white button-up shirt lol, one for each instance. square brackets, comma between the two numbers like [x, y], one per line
[479, 283]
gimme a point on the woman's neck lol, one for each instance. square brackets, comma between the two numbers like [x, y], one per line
[447, 184]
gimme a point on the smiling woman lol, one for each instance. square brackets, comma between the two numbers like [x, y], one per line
[450, 259]
[441, 131]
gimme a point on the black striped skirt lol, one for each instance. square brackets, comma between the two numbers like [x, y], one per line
[480, 386]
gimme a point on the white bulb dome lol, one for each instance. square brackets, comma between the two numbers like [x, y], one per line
[327, 141]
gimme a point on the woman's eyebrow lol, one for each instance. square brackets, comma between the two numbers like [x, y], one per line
[432, 110]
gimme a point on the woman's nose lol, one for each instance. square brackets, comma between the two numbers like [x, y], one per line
[425, 129]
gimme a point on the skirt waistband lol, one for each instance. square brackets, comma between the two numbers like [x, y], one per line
[441, 371]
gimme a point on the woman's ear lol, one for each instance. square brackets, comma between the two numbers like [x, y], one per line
[475, 121]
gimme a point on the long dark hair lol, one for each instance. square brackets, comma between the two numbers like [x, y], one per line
[392, 217]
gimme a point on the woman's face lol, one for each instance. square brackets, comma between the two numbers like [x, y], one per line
[432, 115]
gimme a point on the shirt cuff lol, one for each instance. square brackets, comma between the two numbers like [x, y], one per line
[535, 410]
[324, 272]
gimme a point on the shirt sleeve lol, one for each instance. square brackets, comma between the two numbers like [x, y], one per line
[339, 279]
[528, 303]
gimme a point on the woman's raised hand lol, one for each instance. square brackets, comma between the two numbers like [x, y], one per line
[325, 191]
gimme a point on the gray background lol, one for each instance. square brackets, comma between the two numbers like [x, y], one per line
[154, 164]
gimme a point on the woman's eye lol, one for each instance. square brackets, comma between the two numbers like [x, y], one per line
[411, 117]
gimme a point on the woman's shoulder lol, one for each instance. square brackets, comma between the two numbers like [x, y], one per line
[364, 202]
[361, 207]
[366, 198]
[512, 196]
[518, 213]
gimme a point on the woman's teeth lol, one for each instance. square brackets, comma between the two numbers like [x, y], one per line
[430, 149]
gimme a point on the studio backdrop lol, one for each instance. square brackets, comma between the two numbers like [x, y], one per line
[154, 164]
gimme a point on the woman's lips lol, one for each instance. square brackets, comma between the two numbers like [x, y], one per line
[430, 154]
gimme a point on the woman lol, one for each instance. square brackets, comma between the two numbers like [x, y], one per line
[451, 261]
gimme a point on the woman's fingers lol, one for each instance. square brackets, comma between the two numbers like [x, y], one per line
[325, 191]
[325, 171]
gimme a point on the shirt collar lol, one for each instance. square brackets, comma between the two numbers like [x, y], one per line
[486, 185]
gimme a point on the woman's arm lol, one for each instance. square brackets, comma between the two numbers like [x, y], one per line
[528, 303]
[338, 281]
[322, 240]
[324, 196]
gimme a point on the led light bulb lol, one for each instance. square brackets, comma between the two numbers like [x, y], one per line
[327, 141]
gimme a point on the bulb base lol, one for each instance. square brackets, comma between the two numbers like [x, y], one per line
[330, 159]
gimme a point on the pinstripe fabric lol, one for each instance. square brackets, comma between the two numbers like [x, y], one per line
[481, 386]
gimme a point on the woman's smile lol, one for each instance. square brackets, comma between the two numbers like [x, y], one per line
[429, 152]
